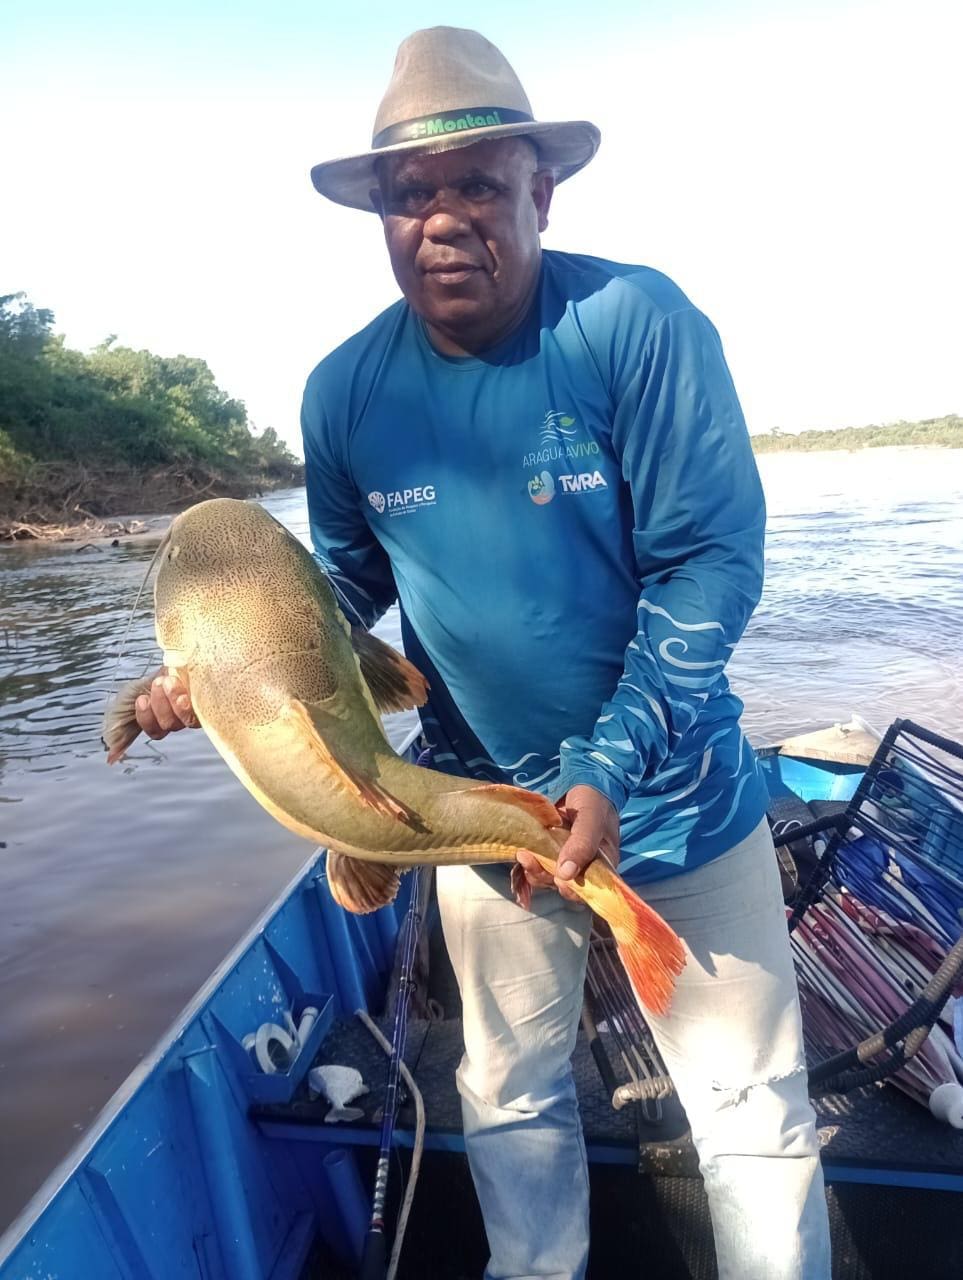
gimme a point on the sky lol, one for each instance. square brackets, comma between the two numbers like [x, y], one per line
[794, 167]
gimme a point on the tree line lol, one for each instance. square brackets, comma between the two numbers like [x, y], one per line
[112, 417]
[945, 432]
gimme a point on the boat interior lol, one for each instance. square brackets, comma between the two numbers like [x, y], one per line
[205, 1165]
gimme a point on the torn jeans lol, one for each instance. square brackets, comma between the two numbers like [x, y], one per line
[732, 1042]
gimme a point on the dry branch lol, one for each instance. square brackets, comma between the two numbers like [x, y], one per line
[59, 500]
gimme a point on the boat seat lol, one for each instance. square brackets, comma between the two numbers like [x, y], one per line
[828, 808]
[903, 828]
[906, 814]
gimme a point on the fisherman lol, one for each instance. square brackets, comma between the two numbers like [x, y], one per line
[542, 457]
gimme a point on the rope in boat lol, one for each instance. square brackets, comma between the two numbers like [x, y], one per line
[373, 1260]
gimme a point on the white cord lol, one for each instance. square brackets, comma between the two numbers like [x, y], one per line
[416, 1152]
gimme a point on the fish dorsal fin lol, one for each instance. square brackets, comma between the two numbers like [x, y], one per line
[395, 684]
[537, 805]
[361, 886]
[321, 734]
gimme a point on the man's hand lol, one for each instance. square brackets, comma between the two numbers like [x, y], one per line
[595, 828]
[167, 709]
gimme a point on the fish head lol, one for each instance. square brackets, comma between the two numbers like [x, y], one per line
[211, 571]
[236, 594]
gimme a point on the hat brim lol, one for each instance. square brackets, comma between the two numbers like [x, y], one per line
[565, 147]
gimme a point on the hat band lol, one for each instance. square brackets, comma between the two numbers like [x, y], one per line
[436, 126]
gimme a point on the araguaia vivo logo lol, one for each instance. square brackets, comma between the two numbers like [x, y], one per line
[558, 442]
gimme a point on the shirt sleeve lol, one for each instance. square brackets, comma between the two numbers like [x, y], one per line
[699, 523]
[344, 546]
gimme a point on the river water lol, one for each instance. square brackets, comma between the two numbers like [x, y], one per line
[121, 889]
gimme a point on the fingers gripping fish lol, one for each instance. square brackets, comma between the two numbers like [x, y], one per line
[291, 697]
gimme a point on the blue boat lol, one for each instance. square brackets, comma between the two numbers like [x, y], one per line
[204, 1166]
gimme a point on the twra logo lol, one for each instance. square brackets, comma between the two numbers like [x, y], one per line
[584, 482]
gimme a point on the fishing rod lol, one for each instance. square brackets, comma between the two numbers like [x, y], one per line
[374, 1259]
[616, 1003]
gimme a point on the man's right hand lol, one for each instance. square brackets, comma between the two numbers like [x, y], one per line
[167, 708]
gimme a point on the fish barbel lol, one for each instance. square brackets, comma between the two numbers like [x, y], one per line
[290, 695]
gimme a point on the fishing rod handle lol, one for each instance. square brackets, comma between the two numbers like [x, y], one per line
[374, 1260]
[652, 1090]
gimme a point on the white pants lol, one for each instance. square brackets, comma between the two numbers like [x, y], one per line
[732, 1042]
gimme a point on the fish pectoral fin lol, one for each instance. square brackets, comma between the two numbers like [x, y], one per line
[395, 684]
[120, 727]
[361, 886]
[320, 728]
[538, 805]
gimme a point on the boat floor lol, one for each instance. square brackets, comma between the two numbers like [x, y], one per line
[877, 1131]
[885, 1159]
[869, 1130]
[895, 1170]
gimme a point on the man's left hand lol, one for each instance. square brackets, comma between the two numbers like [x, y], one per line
[595, 828]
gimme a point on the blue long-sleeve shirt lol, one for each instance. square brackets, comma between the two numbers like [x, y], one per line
[573, 524]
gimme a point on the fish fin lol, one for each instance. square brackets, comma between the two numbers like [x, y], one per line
[536, 804]
[395, 684]
[361, 886]
[367, 789]
[652, 953]
[120, 727]
[521, 888]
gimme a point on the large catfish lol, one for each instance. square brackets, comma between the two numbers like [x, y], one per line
[290, 695]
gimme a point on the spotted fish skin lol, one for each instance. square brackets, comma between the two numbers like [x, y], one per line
[250, 624]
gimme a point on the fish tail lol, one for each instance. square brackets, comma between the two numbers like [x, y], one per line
[650, 950]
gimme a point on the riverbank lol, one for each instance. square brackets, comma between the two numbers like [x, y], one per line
[67, 502]
[931, 433]
[70, 502]
[87, 437]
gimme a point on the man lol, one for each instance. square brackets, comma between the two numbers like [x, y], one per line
[543, 457]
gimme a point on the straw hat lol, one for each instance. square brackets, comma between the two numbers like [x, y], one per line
[451, 88]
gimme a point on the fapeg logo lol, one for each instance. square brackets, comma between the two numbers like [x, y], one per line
[403, 502]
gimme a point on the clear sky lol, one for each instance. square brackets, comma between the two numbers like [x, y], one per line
[795, 167]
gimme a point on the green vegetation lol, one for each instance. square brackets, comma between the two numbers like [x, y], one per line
[85, 436]
[942, 433]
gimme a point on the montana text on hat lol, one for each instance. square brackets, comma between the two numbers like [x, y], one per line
[451, 88]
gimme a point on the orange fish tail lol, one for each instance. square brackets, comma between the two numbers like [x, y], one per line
[651, 952]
